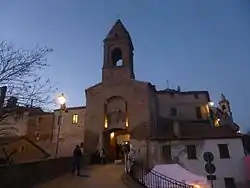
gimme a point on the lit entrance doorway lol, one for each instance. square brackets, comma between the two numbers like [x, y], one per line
[113, 142]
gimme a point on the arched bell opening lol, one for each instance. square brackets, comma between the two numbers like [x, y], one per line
[117, 57]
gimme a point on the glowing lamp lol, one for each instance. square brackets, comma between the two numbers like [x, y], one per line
[106, 123]
[211, 103]
[126, 123]
[196, 186]
[61, 99]
[112, 135]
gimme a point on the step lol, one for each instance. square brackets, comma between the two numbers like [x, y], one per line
[129, 182]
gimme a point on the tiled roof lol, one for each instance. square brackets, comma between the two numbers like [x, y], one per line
[181, 92]
[4, 141]
[8, 140]
[31, 110]
[192, 130]
[73, 108]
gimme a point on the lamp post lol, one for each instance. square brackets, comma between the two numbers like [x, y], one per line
[61, 100]
[211, 113]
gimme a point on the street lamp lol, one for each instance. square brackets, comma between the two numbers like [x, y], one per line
[61, 100]
[211, 104]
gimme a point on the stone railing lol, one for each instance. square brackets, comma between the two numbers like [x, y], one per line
[27, 175]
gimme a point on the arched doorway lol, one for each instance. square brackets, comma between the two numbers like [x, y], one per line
[113, 141]
[115, 132]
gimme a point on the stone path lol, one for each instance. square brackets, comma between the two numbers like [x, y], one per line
[103, 176]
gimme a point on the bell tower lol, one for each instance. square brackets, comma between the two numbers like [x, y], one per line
[118, 55]
[225, 106]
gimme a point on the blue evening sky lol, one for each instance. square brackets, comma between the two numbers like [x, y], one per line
[197, 44]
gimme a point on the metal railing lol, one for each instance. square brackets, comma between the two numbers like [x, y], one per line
[153, 179]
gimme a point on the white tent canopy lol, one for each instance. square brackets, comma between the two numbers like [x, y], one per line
[176, 172]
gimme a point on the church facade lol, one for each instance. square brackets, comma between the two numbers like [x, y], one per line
[166, 126]
[121, 106]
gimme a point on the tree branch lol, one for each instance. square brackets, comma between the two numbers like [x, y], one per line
[21, 72]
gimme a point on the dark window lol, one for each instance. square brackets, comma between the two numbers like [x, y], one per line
[196, 96]
[198, 112]
[224, 153]
[223, 107]
[229, 183]
[191, 152]
[59, 120]
[166, 152]
[173, 111]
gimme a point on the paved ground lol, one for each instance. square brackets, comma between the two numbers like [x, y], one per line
[99, 176]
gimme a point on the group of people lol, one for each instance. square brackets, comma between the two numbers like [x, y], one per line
[77, 156]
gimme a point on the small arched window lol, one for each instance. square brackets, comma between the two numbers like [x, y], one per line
[117, 57]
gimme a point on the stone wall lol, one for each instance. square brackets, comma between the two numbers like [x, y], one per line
[136, 95]
[184, 102]
[71, 134]
[40, 127]
[14, 125]
[28, 175]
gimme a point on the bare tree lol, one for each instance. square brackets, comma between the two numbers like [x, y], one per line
[21, 71]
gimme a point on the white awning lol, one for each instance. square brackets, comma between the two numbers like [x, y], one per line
[176, 172]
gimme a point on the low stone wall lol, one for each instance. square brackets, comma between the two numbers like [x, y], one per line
[28, 175]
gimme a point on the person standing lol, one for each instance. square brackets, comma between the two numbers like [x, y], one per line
[102, 156]
[77, 156]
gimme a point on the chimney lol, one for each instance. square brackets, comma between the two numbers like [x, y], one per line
[3, 91]
[12, 102]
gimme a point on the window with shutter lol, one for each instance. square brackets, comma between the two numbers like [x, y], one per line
[224, 152]
[166, 152]
[191, 152]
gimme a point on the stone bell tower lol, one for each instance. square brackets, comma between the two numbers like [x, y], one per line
[118, 55]
[225, 107]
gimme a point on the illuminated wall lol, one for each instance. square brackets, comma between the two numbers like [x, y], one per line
[122, 138]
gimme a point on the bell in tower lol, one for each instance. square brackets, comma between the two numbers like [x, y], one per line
[118, 54]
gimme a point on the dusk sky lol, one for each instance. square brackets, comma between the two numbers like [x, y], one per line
[197, 44]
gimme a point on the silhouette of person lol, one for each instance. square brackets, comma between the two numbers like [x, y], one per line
[77, 155]
[102, 156]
